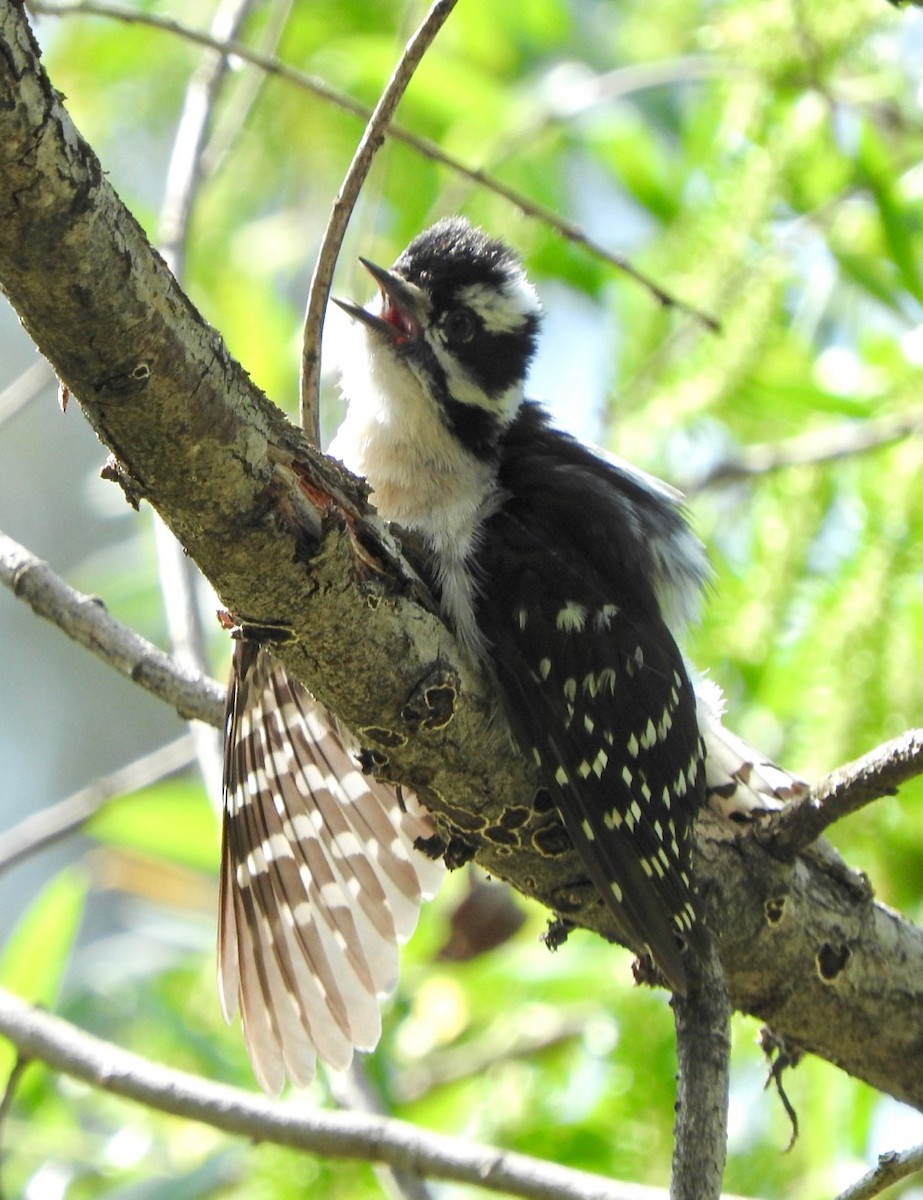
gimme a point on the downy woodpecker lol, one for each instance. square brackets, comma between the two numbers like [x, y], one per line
[567, 577]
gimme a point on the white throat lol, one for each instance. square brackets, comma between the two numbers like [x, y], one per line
[421, 476]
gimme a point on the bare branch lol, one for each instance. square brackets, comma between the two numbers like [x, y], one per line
[523, 203]
[6, 1107]
[181, 585]
[703, 1049]
[369, 145]
[476, 1057]
[84, 618]
[241, 102]
[50, 825]
[354, 1091]
[184, 171]
[844, 791]
[66, 1049]
[818, 446]
[892, 1167]
[806, 936]
[24, 388]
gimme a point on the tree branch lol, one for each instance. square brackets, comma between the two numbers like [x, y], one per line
[354, 1091]
[703, 1050]
[180, 583]
[844, 791]
[84, 618]
[184, 172]
[38, 1035]
[50, 825]
[473, 1058]
[891, 1168]
[287, 537]
[818, 446]
[344, 203]
[243, 100]
[23, 390]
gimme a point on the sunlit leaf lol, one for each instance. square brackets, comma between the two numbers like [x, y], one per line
[172, 820]
[36, 954]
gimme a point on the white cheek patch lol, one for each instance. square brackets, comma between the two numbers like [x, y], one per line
[506, 308]
[466, 390]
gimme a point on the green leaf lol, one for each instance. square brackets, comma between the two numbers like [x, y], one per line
[897, 225]
[37, 952]
[172, 820]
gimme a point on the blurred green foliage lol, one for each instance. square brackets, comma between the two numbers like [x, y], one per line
[761, 160]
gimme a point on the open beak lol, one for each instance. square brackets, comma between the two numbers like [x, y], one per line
[401, 313]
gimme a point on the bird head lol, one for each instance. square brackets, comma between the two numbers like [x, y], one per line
[455, 320]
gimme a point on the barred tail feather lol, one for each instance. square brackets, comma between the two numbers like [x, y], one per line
[738, 780]
[319, 879]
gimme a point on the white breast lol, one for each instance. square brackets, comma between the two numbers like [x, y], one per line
[420, 474]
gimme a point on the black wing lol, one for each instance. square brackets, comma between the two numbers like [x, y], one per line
[595, 688]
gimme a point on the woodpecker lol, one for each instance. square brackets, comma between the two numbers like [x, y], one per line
[567, 577]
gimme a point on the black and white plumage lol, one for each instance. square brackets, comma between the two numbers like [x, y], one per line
[566, 576]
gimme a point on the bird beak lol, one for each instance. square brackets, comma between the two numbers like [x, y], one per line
[401, 309]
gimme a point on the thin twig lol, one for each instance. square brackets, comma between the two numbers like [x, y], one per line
[24, 388]
[528, 207]
[845, 790]
[84, 618]
[180, 587]
[184, 170]
[354, 1091]
[703, 1048]
[6, 1106]
[180, 582]
[473, 1059]
[241, 102]
[891, 1168]
[369, 145]
[581, 95]
[357, 1136]
[818, 446]
[50, 825]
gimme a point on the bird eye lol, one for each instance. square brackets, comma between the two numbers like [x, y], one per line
[458, 325]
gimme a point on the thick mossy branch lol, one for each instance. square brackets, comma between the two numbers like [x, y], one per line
[286, 538]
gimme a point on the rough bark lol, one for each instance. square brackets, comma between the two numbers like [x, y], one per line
[703, 1053]
[284, 537]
